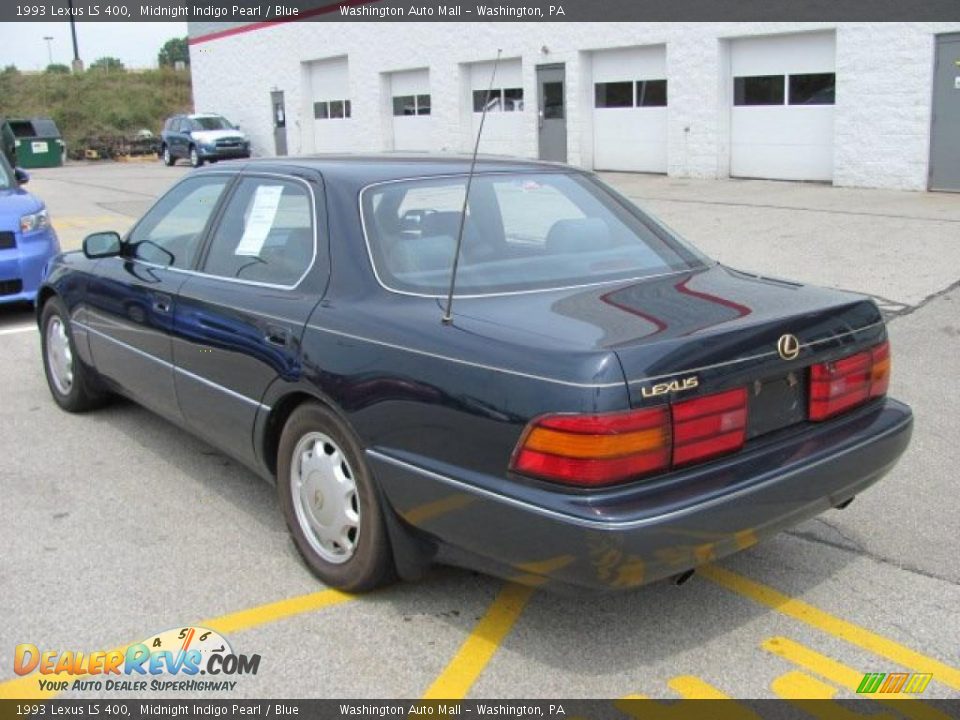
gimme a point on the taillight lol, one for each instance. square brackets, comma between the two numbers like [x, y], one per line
[840, 385]
[595, 450]
[709, 426]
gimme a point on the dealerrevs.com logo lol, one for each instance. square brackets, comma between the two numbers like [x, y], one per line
[188, 659]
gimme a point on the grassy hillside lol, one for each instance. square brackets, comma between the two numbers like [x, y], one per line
[97, 102]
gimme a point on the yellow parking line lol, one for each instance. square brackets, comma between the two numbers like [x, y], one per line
[824, 621]
[690, 687]
[845, 677]
[27, 687]
[478, 649]
[796, 685]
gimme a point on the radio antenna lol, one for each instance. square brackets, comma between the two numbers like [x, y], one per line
[447, 315]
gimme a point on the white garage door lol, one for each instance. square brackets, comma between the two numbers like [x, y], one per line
[410, 104]
[502, 131]
[330, 92]
[630, 109]
[781, 123]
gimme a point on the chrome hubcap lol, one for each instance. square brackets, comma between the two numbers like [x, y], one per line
[325, 497]
[193, 156]
[166, 154]
[59, 355]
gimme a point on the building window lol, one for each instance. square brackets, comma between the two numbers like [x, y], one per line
[411, 105]
[651, 93]
[758, 90]
[331, 109]
[812, 89]
[613, 94]
[501, 100]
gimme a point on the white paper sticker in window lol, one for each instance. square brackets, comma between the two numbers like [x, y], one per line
[262, 213]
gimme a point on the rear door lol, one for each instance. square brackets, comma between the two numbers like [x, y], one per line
[132, 299]
[240, 319]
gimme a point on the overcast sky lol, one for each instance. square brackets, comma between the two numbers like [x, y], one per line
[136, 44]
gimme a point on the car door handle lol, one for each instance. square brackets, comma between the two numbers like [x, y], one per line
[162, 304]
[277, 336]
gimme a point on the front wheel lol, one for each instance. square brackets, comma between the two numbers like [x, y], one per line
[330, 503]
[195, 159]
[168, 159]
[72, 384]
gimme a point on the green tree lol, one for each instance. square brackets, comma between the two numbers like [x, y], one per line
[11, 70]
[173, 50]
[107, 63]
[58, 69]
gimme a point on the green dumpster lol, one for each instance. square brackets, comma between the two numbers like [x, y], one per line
[39, 143]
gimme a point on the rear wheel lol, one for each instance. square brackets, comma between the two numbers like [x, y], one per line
[330, 503]
[168, 159]
[195, 159]
[72, 384]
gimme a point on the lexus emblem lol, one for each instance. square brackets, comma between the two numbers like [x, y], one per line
[788, 346]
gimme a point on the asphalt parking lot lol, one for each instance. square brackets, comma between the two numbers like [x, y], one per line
[117, 525]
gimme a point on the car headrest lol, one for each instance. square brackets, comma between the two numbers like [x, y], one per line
[578, 235]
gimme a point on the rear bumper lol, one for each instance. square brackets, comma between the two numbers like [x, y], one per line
[636, 534]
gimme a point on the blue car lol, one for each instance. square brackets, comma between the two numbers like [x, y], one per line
[27, 240]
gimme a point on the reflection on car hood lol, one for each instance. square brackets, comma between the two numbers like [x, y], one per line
[209, 136]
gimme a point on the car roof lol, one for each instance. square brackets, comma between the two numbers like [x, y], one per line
[377, 167]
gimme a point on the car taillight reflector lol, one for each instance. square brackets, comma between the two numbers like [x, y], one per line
[709, 426]
[840, 385]
[592, 450]
[595, 450]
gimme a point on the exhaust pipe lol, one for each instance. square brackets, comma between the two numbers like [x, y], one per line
[680, 579]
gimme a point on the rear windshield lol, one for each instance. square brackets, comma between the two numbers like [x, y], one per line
[524, 231]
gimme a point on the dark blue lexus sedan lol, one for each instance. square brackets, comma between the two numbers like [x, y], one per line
[607, 406]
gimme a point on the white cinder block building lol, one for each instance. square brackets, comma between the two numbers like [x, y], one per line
[855, 104]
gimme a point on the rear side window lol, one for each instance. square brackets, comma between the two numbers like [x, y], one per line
[524, 231]
[265, 234]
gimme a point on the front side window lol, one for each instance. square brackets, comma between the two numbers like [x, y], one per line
[523, 231]
[169, 234]
[265, 234]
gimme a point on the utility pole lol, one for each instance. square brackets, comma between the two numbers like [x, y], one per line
[49, 39]
[77, 62]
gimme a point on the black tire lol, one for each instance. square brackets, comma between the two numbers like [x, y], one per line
[167, 156]
[371, 565]
[84, 392]
[195, 159]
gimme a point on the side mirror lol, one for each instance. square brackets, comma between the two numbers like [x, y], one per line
[102, 245]
[21, 175]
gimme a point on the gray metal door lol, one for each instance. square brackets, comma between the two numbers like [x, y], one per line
[945, 133]
[279, 122]
[552, 112]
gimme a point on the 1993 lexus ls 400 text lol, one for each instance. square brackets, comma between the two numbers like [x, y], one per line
[605, 402]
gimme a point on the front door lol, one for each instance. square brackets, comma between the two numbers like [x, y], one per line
[240, 319]
[132, 299]
[552, 112]
[944, 145]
